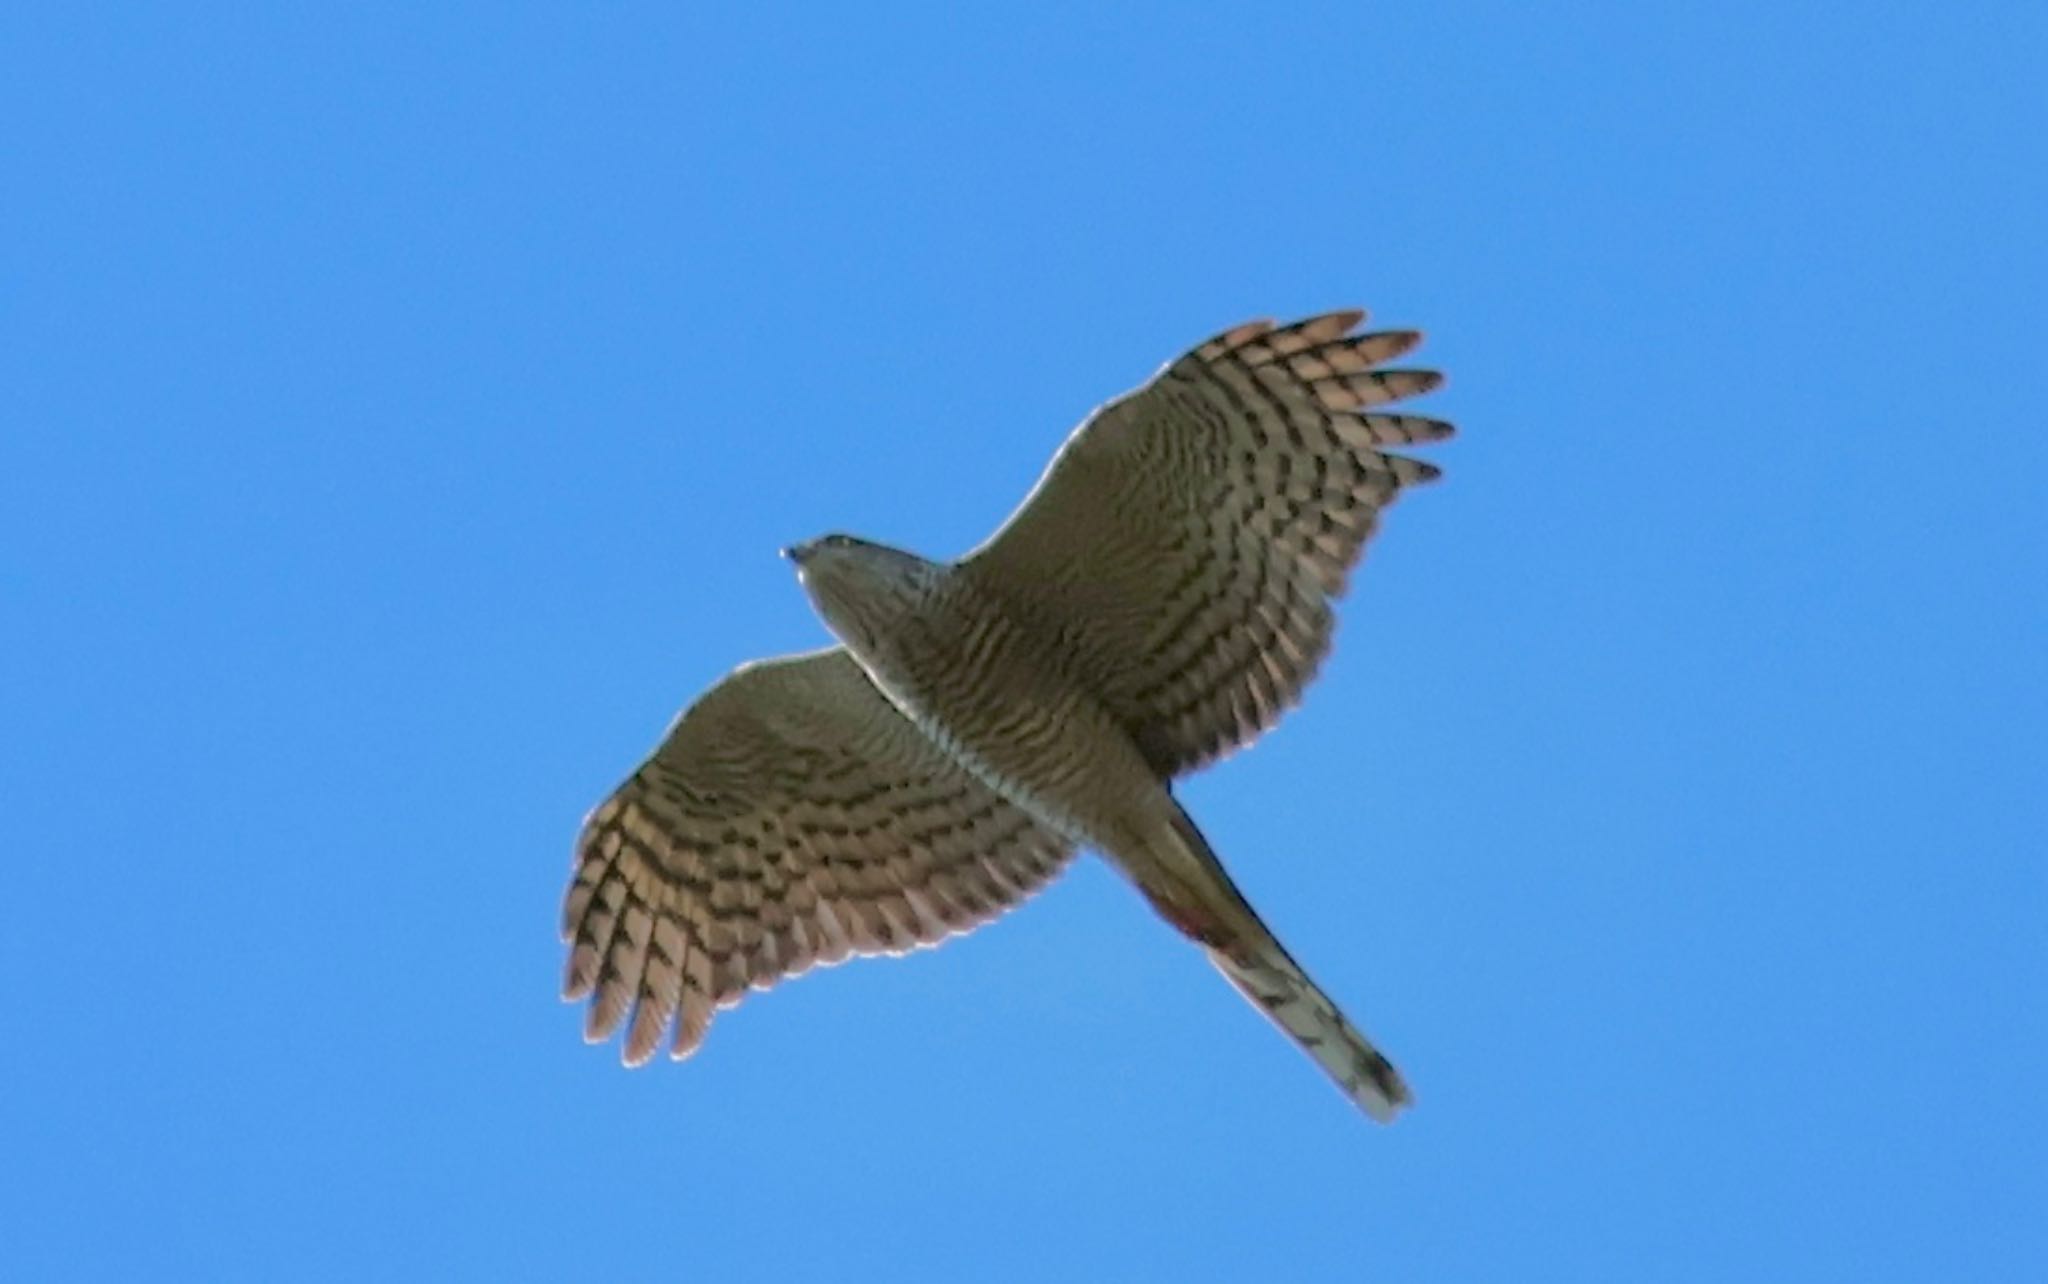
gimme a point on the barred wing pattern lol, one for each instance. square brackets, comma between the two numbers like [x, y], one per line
[790, 818]
[1187, 541]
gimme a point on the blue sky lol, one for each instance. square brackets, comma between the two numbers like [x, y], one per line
[399, 415]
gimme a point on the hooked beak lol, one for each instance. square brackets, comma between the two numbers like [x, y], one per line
[798, 552]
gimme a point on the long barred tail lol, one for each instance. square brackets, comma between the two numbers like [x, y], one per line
[1205, 904]
[1277, 986]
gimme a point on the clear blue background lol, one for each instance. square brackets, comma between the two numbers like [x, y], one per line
[400, 415]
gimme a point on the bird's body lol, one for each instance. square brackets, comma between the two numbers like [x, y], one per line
[996, 694]
[1161, 597]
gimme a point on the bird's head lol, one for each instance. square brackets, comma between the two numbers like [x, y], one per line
[862, 588]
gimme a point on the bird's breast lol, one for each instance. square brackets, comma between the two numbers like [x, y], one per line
[996, 698]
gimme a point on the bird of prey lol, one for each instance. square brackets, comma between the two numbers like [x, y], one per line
[1159, 599]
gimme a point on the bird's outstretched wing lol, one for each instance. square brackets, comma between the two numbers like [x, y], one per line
[1187, 541]
[791, 817]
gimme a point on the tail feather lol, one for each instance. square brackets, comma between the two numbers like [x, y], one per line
[1205, 904]
[1276, 985]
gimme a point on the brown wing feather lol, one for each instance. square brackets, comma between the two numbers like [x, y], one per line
[1187, 541]
[790, 818]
